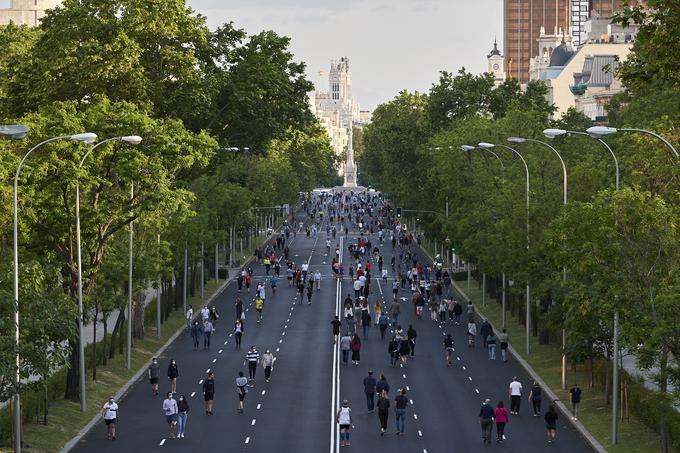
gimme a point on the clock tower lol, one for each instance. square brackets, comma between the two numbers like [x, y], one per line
[496, 64]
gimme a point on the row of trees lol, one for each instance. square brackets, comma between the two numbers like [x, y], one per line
[154, 69]
[621, 249]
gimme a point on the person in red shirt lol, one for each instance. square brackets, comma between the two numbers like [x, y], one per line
[501, 416]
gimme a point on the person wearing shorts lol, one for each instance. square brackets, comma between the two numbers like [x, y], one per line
[550, 418]
[344, 419]
[153, 372]
[209, 393]
[242, 389]
[110, 415]
[170, 408]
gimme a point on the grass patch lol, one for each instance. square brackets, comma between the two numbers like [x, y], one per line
[595, 414]
[65, 419]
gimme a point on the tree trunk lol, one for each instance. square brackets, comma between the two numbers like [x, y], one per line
[138, 327]
[72, 391]
[94, 342]
[116, 329]
[105, 321]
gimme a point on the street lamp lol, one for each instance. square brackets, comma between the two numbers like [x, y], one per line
[601, 131]
[87, 137]
[552, 133]
[528, 304]
[472, 148]
[597, 132]
[14, 131]
[133, 140]
[564, 271]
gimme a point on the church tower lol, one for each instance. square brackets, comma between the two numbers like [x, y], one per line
[496, 64]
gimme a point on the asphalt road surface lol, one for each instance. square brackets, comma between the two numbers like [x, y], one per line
[295, 411]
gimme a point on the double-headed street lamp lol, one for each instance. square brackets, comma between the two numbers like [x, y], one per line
[133, 140]
[528, 289]
[87, 137]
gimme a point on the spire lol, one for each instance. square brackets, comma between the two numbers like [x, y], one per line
[495, 50]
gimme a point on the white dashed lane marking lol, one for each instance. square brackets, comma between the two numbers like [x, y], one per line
[162, 442]
[247, 439]
[252, 423]
[193, 394]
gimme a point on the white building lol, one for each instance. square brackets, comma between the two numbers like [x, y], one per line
[338, 112]
[496, 64]
[26, 12]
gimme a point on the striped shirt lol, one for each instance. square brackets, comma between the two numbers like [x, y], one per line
[252, 356]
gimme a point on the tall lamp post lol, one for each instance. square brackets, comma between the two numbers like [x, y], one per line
[598, 132]
[564, 271]
[528, 289]
[133, 140]
[87, 137]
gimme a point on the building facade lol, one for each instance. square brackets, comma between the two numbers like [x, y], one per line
[524, 21]
[338, 112]
[26, 12]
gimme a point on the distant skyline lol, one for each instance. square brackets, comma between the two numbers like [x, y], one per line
[391, 44]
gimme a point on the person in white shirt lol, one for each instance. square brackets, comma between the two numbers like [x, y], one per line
[110, 416]
[357, 288]
[190, 316]
[305, 268]
[317, 279]
[261, 291]
[205, 314]
[515, 391]
[170, 409]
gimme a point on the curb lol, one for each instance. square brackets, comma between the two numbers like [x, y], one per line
[133, 380]
[594, 443]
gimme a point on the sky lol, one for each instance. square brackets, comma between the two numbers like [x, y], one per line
[391, 44]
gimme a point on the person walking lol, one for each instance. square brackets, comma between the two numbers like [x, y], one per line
[207, 333]
[491, 345]
[377, 311]
[550, 418]
[485, 331]
[182, 415]
[259, 305]
[252, 357]
[196, 334]
[382, 385]
[214, 316]
[457, 312]
[242, 389]
[239, 308]
[345, 347]
[173, 374]
[369, 390]
[189, 316]
[365, 322]
[110, 416]
[471, 333]
[154, 373]
[535, 396]
[356, 349]
[502, 417]
[209, 392]
[411, 335]
[503, 340]
[393, 350]
[486, 415]
[515, 391]
[448, 347]
[344, 418]
[268, 364]
[336, 328]
[400, 404]
[575, 393]
[383, 410]
[383, 322]
[170, 409]
[395, 310]
[238, 332]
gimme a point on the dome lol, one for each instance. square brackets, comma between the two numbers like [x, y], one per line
[561, 55]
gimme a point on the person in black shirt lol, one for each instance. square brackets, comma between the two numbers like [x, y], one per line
[535, 396]
[486, 413]
[400, 410]
[575, 393]
[383, 411]
[551, 423]
[336, 329]
[209, 392]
